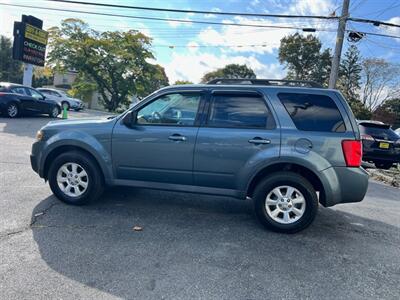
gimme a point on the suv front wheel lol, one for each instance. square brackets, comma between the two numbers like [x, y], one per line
[285, 202]
[75, 178]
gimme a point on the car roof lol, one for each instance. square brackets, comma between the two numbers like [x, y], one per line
[8, 84]
[247, 87]
[50, 89]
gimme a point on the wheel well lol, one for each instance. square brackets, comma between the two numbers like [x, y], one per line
[306, 173]
[62, 149]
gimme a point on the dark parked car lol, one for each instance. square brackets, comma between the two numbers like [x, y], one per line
[381, 145]
[288, 148]
[17, 100]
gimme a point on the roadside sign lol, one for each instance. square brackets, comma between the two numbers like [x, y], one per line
[30, 41]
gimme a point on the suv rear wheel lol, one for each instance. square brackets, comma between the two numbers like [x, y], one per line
[285, 202]
[75, 178]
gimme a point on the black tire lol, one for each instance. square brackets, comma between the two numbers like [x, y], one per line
[12, 110]
[66, 104]
[265, 187]
[95, 180]
[383, 165]
[55, 111]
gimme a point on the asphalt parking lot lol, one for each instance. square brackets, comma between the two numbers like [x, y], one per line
[191, 246]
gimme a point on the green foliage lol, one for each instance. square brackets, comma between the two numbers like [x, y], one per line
[116, 61]
[230, 71]
[349, 82]
[10, 69]
[389, 112]
[178, 82]
[83, 88]
[304, 59]
[350, 74]
[359, 110]
[42, 76]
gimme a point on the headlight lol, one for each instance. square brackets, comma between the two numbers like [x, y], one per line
[39, 135]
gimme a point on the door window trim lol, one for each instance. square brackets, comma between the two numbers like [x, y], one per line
[199, 113]
[210, 100]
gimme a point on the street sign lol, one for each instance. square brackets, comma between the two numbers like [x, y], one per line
[30, 41]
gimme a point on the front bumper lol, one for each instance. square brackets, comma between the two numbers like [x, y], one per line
[343, 185]
[36, 156]
[78, 106]
[34, 164]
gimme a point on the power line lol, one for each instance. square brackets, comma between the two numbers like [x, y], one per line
[195, 11]
[374, 22]
[196, 21]
[168, 19]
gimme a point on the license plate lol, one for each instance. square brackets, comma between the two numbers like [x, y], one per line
[384, 145]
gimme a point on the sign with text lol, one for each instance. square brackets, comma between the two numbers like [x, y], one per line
[29, 42]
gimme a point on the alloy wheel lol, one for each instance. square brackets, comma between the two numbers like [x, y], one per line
[72, 179]
[12, 110]
[285, 204]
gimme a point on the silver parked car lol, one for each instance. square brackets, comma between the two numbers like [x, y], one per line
[62, 98]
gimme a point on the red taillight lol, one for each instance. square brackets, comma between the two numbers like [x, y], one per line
[367, 137]
[2, 94]
[352, 151]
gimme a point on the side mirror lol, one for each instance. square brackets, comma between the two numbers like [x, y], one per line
[129, 119]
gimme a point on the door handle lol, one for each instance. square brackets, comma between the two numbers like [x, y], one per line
[177, 137]
[258, 140]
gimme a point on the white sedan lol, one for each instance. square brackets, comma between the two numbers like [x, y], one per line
[62, 98]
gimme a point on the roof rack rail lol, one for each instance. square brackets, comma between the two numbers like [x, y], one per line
[273, 82]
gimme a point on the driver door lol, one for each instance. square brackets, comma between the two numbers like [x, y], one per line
[40, 105]
[160, 146]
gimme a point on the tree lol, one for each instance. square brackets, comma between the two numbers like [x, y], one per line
[116, 61]
[178, 82]
[230, 71]
[349, 82]
[389, 112]
[10, 69]
[303, 58]
[42, 76]
[350, 74]
[380, 82]
[83, 88]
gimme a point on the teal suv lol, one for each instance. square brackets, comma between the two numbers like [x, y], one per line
[286, 145]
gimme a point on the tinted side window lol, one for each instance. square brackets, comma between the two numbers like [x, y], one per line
[35, 94]
[312, 112]
[172, 109]
[240, 111]
[18, 90]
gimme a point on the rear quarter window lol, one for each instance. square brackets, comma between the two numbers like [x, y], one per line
[313, 112]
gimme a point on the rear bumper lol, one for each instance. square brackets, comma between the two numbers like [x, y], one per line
[387, 157]
[343, 185]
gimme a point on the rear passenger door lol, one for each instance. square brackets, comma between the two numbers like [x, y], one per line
[28, 103]
[238, 127]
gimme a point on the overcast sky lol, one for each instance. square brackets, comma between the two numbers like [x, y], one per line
[175, 45]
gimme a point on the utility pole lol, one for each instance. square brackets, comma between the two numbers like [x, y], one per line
[339, 44]
[28, 72]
